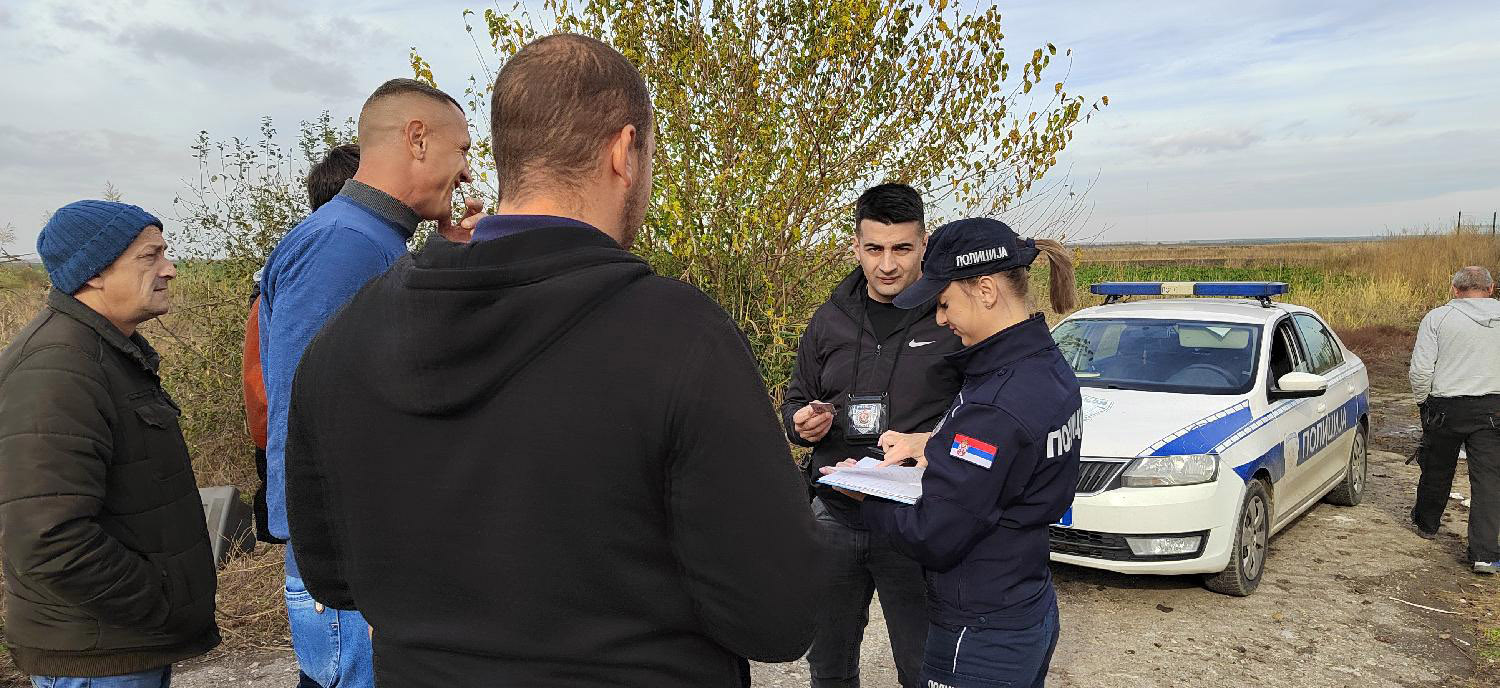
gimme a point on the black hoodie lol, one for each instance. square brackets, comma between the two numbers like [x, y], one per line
[531, 461]
[922, 383]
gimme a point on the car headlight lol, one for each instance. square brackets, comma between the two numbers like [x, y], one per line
[1165, 471]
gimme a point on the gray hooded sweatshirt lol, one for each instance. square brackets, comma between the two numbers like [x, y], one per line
[1458, 350]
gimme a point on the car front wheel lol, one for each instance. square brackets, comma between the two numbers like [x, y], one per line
[1252, 538]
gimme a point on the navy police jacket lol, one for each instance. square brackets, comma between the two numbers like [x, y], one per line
[1001, 467]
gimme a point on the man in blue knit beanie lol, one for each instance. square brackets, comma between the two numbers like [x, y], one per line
[109, 576]
[81, 242]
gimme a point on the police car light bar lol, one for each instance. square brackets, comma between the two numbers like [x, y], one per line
[1262, 291]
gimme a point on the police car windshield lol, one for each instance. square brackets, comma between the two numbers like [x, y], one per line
[1161, 355]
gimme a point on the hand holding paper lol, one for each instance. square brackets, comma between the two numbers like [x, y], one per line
[869, 477]
[829, 470]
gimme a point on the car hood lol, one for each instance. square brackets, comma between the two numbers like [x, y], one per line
[1126, 423]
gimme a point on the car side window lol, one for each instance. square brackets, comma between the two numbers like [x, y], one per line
[1286, 355]
[1322, 350]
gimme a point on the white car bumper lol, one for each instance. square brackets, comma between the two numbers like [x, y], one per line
[1100, 523]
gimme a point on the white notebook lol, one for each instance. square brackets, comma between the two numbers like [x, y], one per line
[897, 483]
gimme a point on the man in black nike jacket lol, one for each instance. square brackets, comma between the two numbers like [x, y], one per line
[867, 372]
[530, 461]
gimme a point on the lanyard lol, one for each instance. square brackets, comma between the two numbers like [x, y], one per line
[859, 348]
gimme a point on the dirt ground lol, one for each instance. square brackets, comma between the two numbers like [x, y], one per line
[1337, 606]
[1324, 615]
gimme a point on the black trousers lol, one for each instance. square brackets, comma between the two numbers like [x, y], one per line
[1474, 424]
[861, 563]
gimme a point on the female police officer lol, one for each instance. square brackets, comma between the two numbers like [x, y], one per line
[1001, 466]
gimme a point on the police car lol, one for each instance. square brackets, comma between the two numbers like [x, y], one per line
[1209, 425]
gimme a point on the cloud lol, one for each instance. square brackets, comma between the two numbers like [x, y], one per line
[43, 169]
[1269, 85]
[163, 42]
[70, 17]
[287, 69]
[1201, 141]
[79, 151]
[284, 62]
[1380, 117]
[297, 74]
[1312, 33]
[257, 8]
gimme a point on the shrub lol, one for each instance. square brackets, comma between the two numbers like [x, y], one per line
[773, 115]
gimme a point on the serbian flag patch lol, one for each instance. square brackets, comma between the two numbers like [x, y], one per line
[980, 454]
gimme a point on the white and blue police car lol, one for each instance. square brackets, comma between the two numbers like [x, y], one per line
[1209, 424]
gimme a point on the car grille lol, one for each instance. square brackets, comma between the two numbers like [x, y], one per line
[1088, 543]
[1097, 476]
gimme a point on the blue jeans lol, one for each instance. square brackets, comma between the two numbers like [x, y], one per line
[990, 657]
[332, 646]
[153, 678]
[863, 562]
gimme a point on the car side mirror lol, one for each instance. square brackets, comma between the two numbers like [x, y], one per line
[1298, 386]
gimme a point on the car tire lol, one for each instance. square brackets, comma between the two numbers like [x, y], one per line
[1252, 539]
[1356, 473]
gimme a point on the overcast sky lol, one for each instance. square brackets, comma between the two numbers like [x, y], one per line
[1227, 119]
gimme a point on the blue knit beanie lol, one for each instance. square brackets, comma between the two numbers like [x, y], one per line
[84, 237]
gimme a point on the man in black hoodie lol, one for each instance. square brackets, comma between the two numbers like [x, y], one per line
[866, 373]
[530, 461]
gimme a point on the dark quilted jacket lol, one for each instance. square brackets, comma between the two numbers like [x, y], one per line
[107, 562]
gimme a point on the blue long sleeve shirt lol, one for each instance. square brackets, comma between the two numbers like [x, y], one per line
[310, 275]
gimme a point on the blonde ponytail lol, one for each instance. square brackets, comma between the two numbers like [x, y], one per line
[1062, 285]
[1060, 278]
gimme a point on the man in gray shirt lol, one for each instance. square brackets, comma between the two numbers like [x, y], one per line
[1455, 377]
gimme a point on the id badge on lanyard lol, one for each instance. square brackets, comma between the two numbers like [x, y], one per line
[867, 416]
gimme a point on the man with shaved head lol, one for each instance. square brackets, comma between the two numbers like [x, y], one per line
[414, 144]
[567, 471]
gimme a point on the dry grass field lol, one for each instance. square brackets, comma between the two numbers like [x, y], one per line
[1373, 292]
[1392, 281]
